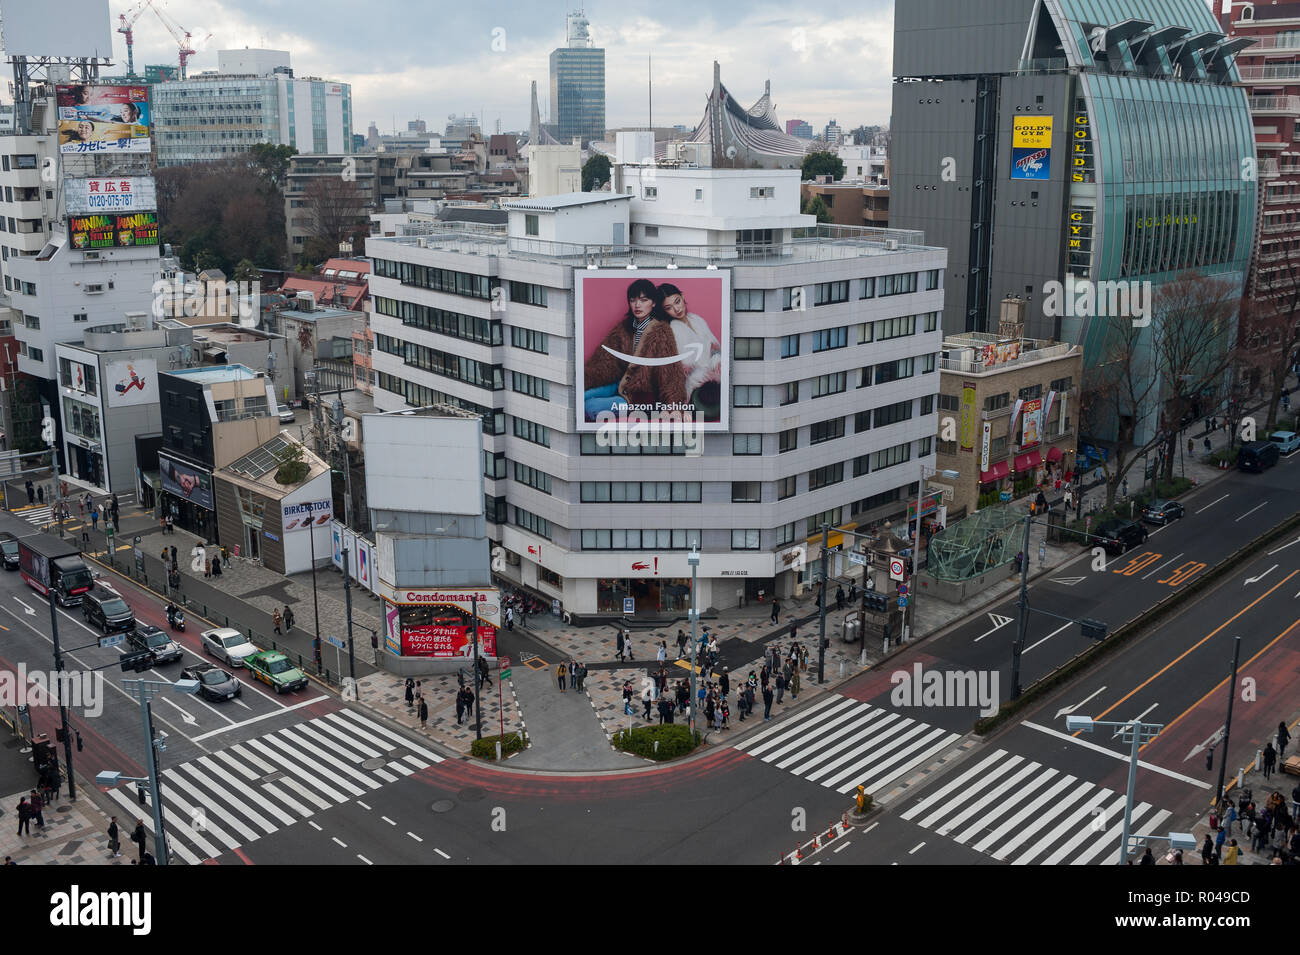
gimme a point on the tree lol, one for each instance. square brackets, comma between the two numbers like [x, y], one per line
[229, 209]
[595, 172]
[816, 206]
[336, 211]
[1269, 333]
[271, 162]
[246, 271]
[292, 467]
[822, 164]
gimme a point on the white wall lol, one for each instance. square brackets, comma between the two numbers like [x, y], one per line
[424, 463]
[297, 544]
[246, 61]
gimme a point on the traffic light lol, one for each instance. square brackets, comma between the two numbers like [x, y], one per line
[877, 602]
[1093, 629]
[60, 734]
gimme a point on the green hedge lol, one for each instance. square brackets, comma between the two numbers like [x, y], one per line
[486, 748]
[674, 740]
[1225, 454]
[1172, 489]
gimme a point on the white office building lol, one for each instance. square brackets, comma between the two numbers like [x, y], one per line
[831, 377]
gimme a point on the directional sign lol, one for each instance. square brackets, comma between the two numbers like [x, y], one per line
[856, 558]
[629, 605]
[505, 674]
[896, 568]
[334, 641]
[112, 640]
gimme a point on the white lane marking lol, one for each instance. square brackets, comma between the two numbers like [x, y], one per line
[264, 716]
[842, 846]
[1066, 710]
[1212, 503]
[1120, 756]
[1258, 578]
[387, 820]
[1283, 547]
[364, 859]
[363, 805]
[339, 841]
[314, 826]
[415, 837]
[915, 850]
[1048, 637]
[1162, 566]
[869, 828]
[441, 853]
[998, 621]
[1119, 732]
[1251, 511]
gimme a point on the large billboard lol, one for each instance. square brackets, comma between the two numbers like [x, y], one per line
[1031, 147]
[186, 481]
[653, 347]
[123, 194]
[113, 231]
[101, 119]
[131, 383]
[74, 28]
[299, 517]
[440, 626]
[412, 460]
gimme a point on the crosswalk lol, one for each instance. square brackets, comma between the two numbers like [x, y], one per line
[41, 515]
[1023, 812]
[842, 743]
[234, 796]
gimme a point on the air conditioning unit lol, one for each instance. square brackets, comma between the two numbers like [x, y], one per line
[305, 301]
[891, 245]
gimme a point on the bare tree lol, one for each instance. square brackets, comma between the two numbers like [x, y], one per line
[1269, 332]
[336, 210]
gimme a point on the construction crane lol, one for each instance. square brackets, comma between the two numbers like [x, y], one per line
[125, 21]
[179, 34]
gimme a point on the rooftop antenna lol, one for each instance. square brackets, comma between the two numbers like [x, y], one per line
[650, 90]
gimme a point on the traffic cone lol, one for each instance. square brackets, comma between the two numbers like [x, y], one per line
[798, 852]
[817, 843]
[830, 833]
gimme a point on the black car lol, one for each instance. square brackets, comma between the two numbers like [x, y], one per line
[214, 683]
[107, 610]
[1159, 511]
[163, 647]
[9, 550]
[1118, 536]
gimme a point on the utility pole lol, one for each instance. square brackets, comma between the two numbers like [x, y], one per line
[347, 599]
[478, 680]
[1022, 622]
[47, 427]
[1227, 726]
[821, 617]
[58, 691]
[693, 558]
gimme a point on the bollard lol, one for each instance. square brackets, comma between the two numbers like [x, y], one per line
[841, 668]
[656, 747]
[498, 750]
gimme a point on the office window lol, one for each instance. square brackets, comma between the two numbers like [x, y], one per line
[889, 457]
[80, 317]
[862, 422]
[1061, 384]
[825, 339]
[898, 327]
[830, 384]
[923, 446]
[746, 492]
[532, 523]
[826, 476]
[530, 225]
[786, 487]
[638, 539]
[868, 288]
[834, 517]
[744, 539]
[789, 392]
[865, 377]
[861, 465]
[533, 477]
[632, 492]
[494, 464]
[892, 414]
[949, 403]
[789, 346]
[929, 363]
[789, 440]
[826, 430]
[747, 396]
[748, 349]
[529, 339]
[947, 447]
[896, 284]
[931, 321]
[762, 192]
[893, 370]
[35, 354]
[830, 293]
[998, 448]
[931, 280]
[785, 534]
[746, 444]
[1031, 392]
[794, 298]
[749, 299]
[532, 431]
[527, 293]
[530, 385]
[650, 192]
[994, 402]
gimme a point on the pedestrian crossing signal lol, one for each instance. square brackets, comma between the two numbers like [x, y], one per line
[1093, 629]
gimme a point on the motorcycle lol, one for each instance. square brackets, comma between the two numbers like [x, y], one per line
[176, 619]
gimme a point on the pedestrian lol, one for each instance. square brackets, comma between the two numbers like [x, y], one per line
[171, 529]
[573, 674]
[1283, 737]
[1230, 857]
[216, 566]
[410, 684]
[582, 677]
[40, 494]
[424, 712]
[627, 698]
[1069, 498]
[31, 493]
[767, 702]
[853, 590]
[1219, 840]
[37, 808]
[647, 697]
[621, 648]
[173, 558]
[207, 572]
[288, 618]
[1207, 850]
[794, 684]
[681, 643]
[839, 597]
[1270, 759]
[277, 620]
[661, 654]
[94, 517]
[664, 710]
[1191, 447]
[24, 816]
[1147, 858]
[1124, 486]
[1178, 858]
[225, 553]
[484, 672]
[724, 715]
[510, 618]
[139, 838]
[460, 705]
[776, 610]
[114, 839]
[627, 644]
[724, 682]
[560, 672]
[469, 703]
[780, 687]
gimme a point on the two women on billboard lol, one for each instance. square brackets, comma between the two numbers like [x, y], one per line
[658, 354]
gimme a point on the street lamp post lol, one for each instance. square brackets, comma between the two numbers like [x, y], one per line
[347, 600]
[58, 691]
[693, 558]
[1135, 733]
[315, 599]
[1227, 726]
[821, 615]
[478, 680]
[913, 591]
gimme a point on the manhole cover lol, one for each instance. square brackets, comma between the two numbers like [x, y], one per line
[472, 794]
[397, 754]
[443, 805]
[272, 777]
[375, 762]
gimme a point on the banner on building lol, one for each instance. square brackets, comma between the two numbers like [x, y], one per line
[999, 353]
[300, 517]
[131, 383]
[985, 445]
[1047, 411]
[653, 349]
[124, 194]
[101, 119]
[1033, 433]
[447, 640]
[186, 481]
[113, 231]
[968, 416]
[365, 564]
[1031, 147]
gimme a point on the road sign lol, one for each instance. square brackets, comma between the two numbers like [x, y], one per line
[503, 661]
[902, 588]
[902, 601]
[629, 605]
[334, 641]
[112, 640]
[856, 558]
[896, 568]
[505, 674]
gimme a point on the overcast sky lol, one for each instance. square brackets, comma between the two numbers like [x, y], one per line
[410, 59]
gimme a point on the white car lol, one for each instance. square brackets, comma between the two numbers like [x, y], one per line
[228, 644]
[286, 414]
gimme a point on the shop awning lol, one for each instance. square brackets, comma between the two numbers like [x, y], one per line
[1055, 454]
[1027, 462]
[996, 473]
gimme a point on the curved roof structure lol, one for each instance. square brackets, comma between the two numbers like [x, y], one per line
[746, 137]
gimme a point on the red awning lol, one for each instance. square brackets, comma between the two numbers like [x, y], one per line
[998, 471]
[1055, 454]
[1027, 462]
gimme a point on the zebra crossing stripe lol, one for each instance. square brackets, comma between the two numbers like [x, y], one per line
[1109, 834]
[288, 777]
[270, 789]
[318, 733]
[827, 743]
[303, 741]
[1024, 835]
[812, 717]
[934, 797]
[251, 798]
[303, 767]
[973, 808]
[1087, 808]
[1024, 813]
[917, 759]
[133, 809]
[401, 741]
[875, 737]
[208, 807]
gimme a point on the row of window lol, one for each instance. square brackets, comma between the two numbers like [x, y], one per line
[439, 280]
[444, 322]
[530, 385]
[640, 539]
[832, 293]
[421, 396]
[472, 372]
[647, 492]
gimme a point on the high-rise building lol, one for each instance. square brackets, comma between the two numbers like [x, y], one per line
[833, 135]
[578, 85]
[823, 386]
[252, 98]
[1066, 147]
[797, 127]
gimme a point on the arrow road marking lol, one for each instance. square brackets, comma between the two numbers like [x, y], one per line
[1255, 580]
[1067, 581]
[25, 607]
[692, 354]
[1136, 719]
[999, 622]
[1283, 547]
[1200, 747]
[189, 720]
[1066, 710]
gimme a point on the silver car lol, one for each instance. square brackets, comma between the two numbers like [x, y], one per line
[228, 644]
[286, 414]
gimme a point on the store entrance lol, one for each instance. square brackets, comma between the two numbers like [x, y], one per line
[87, 465]
[650, 596]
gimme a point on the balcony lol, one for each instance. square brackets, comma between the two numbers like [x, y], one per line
[1276, 198]
[1275, 105]
[1269, 71]
[1273, 228]
[1268, 169]
[1287, 42]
